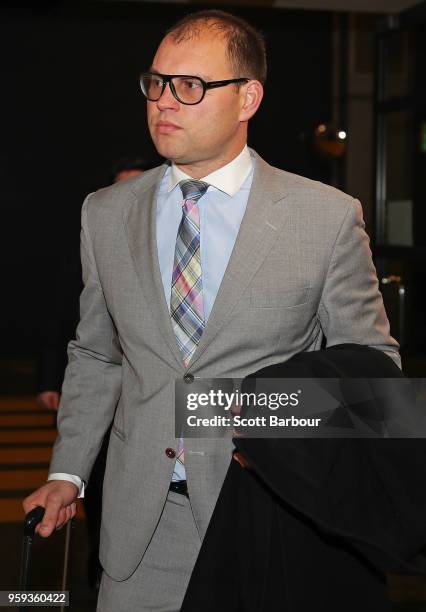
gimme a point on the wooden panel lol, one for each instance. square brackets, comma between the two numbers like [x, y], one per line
[25, 479]
[16, 401]
[27, 436]
[17, 419]
[25, 455]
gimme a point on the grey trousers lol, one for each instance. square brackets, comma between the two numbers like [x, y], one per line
[160, 580]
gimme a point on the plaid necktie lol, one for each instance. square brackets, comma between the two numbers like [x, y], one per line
[186, 301]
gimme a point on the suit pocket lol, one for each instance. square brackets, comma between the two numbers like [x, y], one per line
[273, 298]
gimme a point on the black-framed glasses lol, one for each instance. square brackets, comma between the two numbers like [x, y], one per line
[186, 89]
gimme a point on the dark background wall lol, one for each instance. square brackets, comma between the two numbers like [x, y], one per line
[72, 107]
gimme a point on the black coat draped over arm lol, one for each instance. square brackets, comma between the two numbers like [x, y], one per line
[315, 524]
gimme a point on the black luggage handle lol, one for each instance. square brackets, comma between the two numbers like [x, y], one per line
[32, 519]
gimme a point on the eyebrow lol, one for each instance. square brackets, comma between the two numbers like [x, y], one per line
[205, 77]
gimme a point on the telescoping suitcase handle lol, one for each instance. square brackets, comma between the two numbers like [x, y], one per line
[32, 519]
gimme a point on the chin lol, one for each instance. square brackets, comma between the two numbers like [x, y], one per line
[166, 149]
[173, 155]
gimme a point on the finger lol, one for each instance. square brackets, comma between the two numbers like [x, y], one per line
[73, 509]
[62, 517]
[50, 519]
[59, 525]
[68, 513]
[241, 460]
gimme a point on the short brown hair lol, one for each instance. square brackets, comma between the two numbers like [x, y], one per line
[245, 45]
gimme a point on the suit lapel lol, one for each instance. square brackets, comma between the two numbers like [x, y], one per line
[141, 235]
[259, 229]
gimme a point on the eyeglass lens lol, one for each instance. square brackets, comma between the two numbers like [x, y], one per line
[189, 90]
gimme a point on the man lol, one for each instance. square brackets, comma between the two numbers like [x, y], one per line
[185, 278]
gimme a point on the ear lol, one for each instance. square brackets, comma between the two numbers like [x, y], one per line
[251, 97]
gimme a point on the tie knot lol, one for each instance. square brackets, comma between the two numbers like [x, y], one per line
[193, 190]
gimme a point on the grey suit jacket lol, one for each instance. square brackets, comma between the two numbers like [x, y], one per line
[300, 270]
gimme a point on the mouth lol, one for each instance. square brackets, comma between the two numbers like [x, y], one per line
[165, 127]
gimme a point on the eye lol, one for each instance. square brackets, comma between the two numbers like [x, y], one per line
[157, 81]
[192, 84]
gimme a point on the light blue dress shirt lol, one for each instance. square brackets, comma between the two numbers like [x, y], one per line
[221, 211]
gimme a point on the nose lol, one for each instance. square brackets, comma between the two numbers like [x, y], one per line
[167, 99]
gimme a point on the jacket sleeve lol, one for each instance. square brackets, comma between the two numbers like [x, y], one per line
[92, 383]
[351, 307]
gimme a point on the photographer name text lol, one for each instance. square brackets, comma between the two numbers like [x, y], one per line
[258, 421]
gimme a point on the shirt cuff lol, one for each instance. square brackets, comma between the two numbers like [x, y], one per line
[70, 478]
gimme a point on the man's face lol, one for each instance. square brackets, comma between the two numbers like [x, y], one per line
[206, 135]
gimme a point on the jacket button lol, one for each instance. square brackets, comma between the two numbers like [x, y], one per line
[188, 378]
[170, 452]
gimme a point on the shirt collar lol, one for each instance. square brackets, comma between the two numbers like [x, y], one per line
[228, 179]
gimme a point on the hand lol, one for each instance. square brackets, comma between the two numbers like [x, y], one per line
[58, 498]
[241, 460]
[48, 399]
